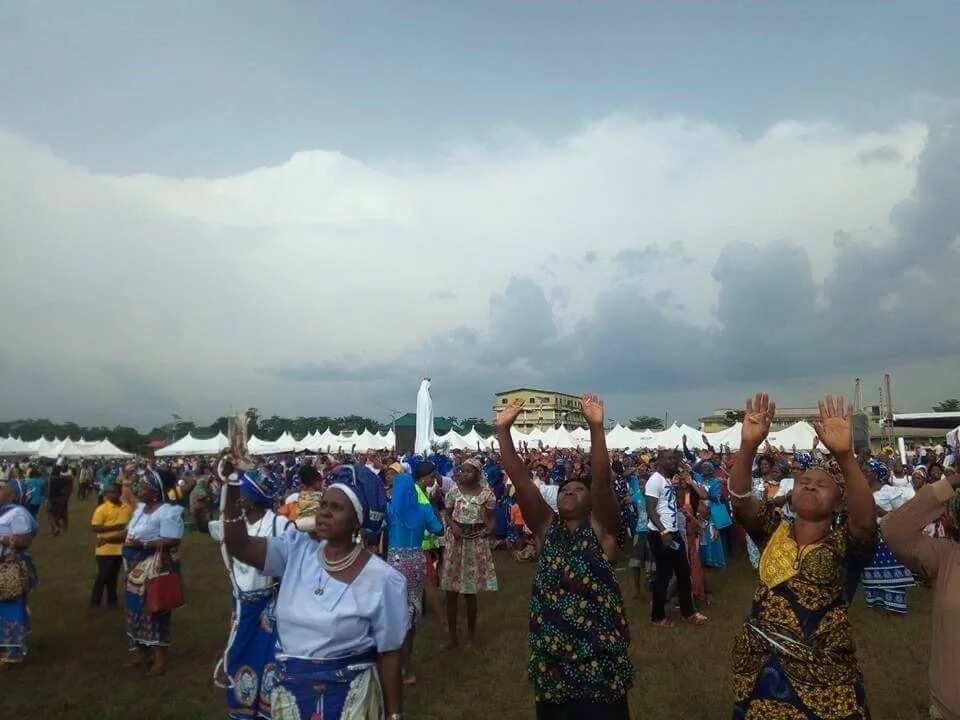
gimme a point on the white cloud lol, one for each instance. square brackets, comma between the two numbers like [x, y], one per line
[192, 284]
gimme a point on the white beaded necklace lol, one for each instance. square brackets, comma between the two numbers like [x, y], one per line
[337, 565]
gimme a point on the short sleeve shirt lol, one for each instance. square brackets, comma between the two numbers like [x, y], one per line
[319, 617]
[663, 491]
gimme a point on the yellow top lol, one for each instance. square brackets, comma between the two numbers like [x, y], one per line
[781, 558]
[110, 514]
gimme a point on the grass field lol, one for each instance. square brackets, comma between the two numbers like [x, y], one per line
[74, 668]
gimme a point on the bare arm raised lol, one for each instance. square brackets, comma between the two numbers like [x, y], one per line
[758, 416]
[536, 511]
[606, 509]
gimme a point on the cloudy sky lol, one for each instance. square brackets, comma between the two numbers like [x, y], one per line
[304, 207]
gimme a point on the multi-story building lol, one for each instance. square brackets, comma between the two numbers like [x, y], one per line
[543, 409]
[725, 417]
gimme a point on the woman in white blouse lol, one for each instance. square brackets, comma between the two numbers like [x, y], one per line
[341, 612]
[154, 531]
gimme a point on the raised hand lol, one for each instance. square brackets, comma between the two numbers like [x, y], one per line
[508, 415]
[835, 427]
[758, 415]
[592, 408]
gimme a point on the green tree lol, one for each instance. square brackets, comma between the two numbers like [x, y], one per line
[951, 405]
[645, 422]
[484, 427]
[733, 417]
[253, 421]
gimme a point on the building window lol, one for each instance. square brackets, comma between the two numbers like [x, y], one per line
[503, 402]
[532, 400]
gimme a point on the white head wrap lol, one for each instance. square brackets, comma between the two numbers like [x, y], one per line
[352, 496]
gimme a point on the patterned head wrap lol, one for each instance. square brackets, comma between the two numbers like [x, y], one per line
[832, 468]
[879, 469]
[474, 463]
[152, 479]
[804, 459]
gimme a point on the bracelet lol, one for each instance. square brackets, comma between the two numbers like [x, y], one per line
[738, 496]
[238, 518]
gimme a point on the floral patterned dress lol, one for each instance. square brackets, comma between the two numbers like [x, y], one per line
[795, 658]
[579, 639]
[467, 561]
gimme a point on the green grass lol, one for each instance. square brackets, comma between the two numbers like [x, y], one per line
[74, 669]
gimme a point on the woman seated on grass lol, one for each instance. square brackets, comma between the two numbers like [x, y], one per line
[579, 641]
[795, 657]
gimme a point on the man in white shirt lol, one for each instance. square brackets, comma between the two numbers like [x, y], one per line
[667, 544]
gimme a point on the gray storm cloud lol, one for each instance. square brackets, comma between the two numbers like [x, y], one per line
[611, 261]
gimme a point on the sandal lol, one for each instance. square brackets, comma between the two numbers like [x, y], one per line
[697, 619]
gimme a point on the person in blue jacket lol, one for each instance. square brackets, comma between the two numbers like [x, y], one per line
[407, 520]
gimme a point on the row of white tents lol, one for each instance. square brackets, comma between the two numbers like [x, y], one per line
[326, 441]
[800, 435]
[57, 448]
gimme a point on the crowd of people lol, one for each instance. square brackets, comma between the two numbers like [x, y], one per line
[332, 561]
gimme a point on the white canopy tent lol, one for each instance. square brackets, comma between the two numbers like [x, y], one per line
[452, 440]
[310, 441]
[581, 434]
[283, 444]
[800, 435]
[107, 449]
[189, 445]
[81, 449]
[11, 446]
[730, 436]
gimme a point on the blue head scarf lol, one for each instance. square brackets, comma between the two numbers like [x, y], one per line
[258, 487]
[414, 462]
[404, 505]
[442, 463]
[879, 469]
[367, 487]
[558, 473]
[804, 459]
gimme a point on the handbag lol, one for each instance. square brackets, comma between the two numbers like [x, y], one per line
[164, 589]
[14, 579]
[720, 516]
